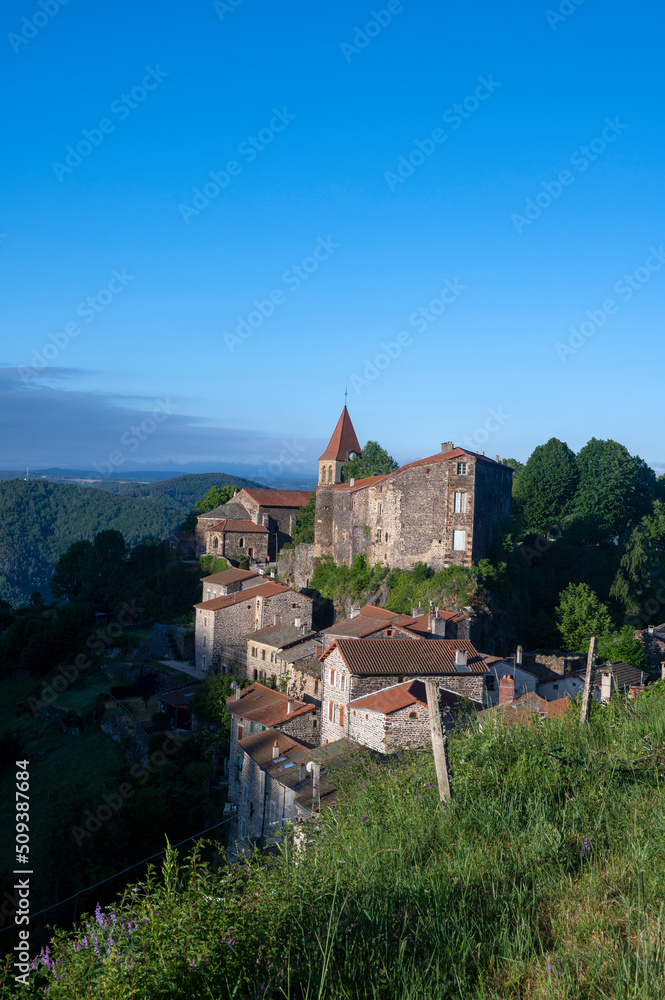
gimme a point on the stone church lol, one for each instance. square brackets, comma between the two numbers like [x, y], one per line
[443, 510]
[254, 524]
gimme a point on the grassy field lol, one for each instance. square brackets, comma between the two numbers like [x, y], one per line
[544, 879]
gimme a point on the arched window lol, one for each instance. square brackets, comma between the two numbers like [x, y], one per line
[215, 543]
[241, 543]
[413, 715]
[330, 474]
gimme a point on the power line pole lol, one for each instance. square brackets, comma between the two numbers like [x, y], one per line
[438, 744]
[588, 680]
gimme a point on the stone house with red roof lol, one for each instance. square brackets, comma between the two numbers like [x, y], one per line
[442, 510]
[223, 623]
[398, 716]
[230, 581]
[274, 510]
[257, 707]
[237, 540]
[355, 668]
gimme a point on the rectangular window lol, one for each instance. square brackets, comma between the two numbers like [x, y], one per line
[401, 545]
[461, 468]
[460, 503]
[263, 654]
[459, 541]
[401, 504]
[378, 535]
[380, 509]
[203, 663]
[205, 640]
[332, 676]
[331, 711]
[341, 715]
[251, 727]
[240, 731]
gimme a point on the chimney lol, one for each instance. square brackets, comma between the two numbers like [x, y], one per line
[497, 459]
[272, 574]
[605, 685]
[275, 619]
[518, 657]
[297, 622]
[446, 446]
[662, 670]
[289, 706]
[461, 658]
[436, 625]
[651, 629]
[506, 689]
[302, 774]
[354, 613]
[417, 612]
[275, 750]
[352, 481]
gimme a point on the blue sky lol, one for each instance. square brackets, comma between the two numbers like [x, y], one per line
[443, 298]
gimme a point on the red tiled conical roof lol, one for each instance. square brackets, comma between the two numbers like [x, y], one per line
[342, 442]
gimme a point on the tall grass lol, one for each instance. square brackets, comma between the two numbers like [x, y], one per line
[545, 878]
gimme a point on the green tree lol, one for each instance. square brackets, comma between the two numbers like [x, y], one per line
[580, 615]
[633, 578]
[303, 529]
[375, 461]
[615, 490]
[72, 571]
[622, 645]
[517, 467]
[215, 497]
[544, 490]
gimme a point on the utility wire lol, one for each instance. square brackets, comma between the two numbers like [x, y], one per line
[122, 872]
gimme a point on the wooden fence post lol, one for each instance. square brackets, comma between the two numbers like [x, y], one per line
[588, 680]
[438, 745]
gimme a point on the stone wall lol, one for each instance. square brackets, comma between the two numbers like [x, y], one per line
[238, 544]
[295, 567]
[557, 662]
[168, 642]
[387, 732]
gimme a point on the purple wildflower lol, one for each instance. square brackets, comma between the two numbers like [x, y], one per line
[99, 916]
[586, 847]
[549, 969]
[431, 784]
[365, 818]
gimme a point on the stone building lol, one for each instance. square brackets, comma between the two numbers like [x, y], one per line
[237, 540]
[222, 624]
[275, 510]
[442, 510]
[354, 668]
[272, 784]
[266, 648]
[381, 623]
[230, 581]
[398, 716]
[301, 668]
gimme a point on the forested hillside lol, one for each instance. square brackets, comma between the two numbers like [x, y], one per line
[179, 493]
[41, 520]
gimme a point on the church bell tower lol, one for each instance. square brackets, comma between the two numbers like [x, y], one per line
[342, 445]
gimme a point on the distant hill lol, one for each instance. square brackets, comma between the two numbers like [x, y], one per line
[40, 520]
[179, 493]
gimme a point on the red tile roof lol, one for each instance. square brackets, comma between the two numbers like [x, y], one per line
[277, 498]
[265, 706]
[247, 527]
[362, 626]
[392, 657]
[265, 590]
[523, 709]
[230, 576]
[342, 442]
[391, 699]
[361, 484]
